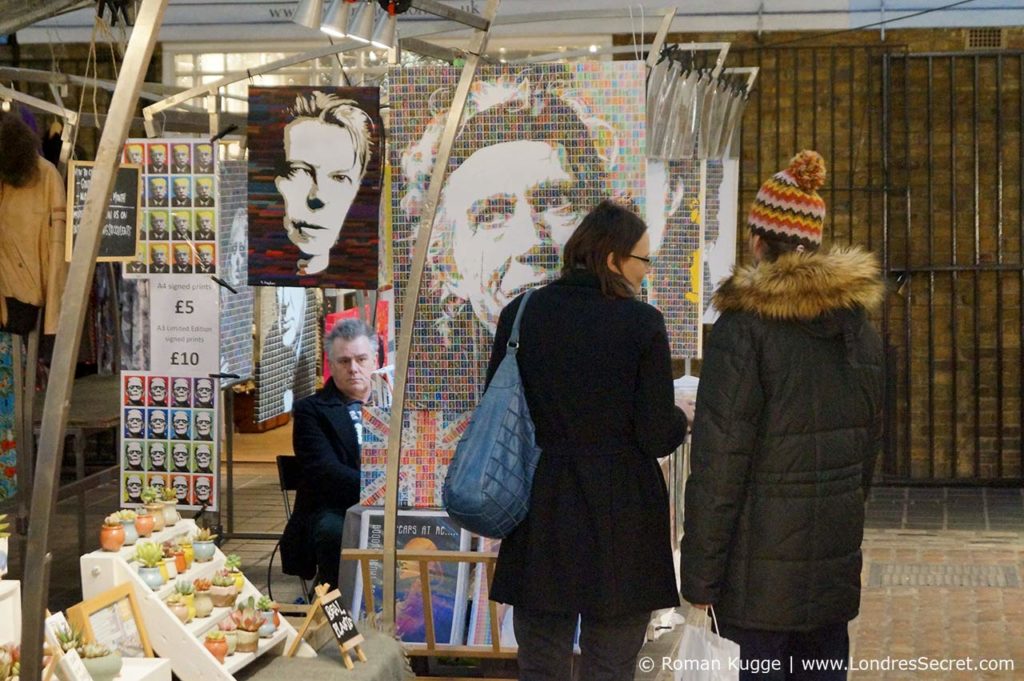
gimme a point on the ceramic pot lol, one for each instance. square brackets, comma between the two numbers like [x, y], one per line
[204, 604]
[170, 513]
[218, 648]
[172, 568]
[163, 571]
[277, 615]
[131, 535]
[190, 603]
[180, 611]
[144, 524]
[152, 577]
[239, 581]
[223, 596]
[179, 562]
[103, 668]
[189, 556]
[204, 551]
[112, 537]
[267, 629]
[248, 641]
[232, 638]
[156, 509]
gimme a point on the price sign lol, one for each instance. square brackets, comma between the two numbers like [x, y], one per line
[184, 325]
[342, 623]
[121, 226]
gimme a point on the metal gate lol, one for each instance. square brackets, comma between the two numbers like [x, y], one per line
[924, 154]
[953, 244]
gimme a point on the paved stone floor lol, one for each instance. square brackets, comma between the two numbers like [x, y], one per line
[943, 574]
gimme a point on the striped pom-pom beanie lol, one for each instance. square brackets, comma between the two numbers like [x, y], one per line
[788, 206]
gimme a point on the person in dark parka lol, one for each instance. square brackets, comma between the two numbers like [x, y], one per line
[787, 428]
[326, 437]
[596, 371]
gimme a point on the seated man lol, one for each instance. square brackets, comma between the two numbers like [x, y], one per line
[327, 434]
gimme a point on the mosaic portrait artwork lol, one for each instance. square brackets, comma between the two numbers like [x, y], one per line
[8, 451]
[537, 148]
[179, 206]
[169, 437]
[720, 228]
[315, 165]
[236, 307]
[289, 344]
[675, 211]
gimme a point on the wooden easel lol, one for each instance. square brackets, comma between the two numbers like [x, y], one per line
[316, 614]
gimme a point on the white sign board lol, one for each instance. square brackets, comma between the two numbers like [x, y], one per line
[184, 325]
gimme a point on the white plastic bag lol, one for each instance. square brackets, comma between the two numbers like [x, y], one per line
[704, 655]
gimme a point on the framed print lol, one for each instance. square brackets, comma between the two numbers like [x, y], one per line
[113, 619]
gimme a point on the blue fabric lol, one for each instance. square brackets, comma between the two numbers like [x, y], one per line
[487, 488]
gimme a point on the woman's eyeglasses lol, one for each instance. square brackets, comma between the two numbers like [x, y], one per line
[644, 260]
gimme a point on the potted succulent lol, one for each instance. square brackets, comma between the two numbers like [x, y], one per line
[169, 502]
[131, 534]
[151, 502]
[188, 593]
[248, 622]
[10, 662]
[102, 663]
[230, 629]
[217, 644]
[204, 604]
[170, 565]
[112, 533]
[144, 522]
[265, 606]
[185, 543]
[223, 590]
[150, 558]
[203, 546]
[69, 637]
[233, 563]
[178, 606]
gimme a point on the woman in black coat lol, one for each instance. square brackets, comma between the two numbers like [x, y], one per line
[787, 427]
[596, 371]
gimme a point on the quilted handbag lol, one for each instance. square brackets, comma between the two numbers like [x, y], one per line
[487, 488]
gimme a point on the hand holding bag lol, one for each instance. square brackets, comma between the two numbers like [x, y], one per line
[487, 488]
[705, 656]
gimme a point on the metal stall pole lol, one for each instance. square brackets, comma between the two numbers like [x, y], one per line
[69, 332]
[477, 45]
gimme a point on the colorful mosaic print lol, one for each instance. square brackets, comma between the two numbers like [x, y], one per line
[537, 148]
[179, 217]
[428, 443]
[315, 165]
[676, 276]
[169, 437]
[8, 452]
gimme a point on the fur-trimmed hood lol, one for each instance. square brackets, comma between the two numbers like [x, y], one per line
[804, 286]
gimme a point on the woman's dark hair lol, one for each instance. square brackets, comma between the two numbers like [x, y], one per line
[772, 247]
[20, 151]
[609, 228]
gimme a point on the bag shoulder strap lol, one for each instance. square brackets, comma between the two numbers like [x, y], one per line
[513, 339]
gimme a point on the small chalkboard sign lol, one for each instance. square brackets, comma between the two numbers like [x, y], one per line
[342, 624]
[121, 227]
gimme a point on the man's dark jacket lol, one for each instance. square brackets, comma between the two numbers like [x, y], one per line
[787, 428]
[325, 442]
[597, 373]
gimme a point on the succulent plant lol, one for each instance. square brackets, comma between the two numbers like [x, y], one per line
[149, 554]
[246, 616]
[92, 650]
[127, 515]
[227, 624]
[184, 588]
[10, 662]
[222, 578]
[112, 520]
[215, 635]
[174, 599]
[204, 534]
[69, 637]
[264, 603]
[4, 526]
[233, 562]
[202, 584]
[169, 494]
[149, 494]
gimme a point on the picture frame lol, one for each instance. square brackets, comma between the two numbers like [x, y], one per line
[113, 619]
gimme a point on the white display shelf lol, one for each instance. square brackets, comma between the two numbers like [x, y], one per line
[180, 643]
[145, 669]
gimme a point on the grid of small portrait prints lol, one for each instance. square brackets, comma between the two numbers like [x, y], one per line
[677, 272]
[179, 200]
[289, 347]
[537, 125]
[169, 437]
[714, 174]
[428, 444]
